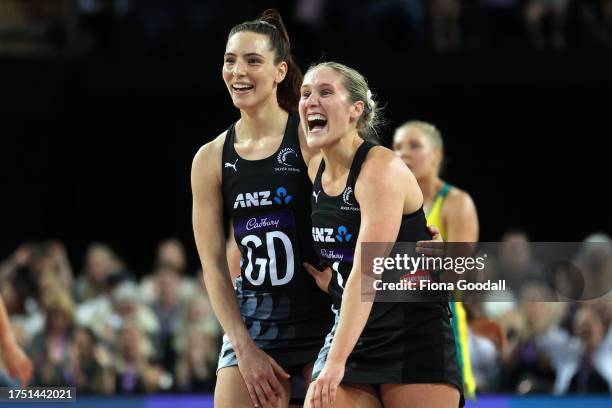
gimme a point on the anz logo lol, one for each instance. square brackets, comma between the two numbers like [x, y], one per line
[262, 198]
[328, 234]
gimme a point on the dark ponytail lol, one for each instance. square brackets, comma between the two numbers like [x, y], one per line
[271, 24]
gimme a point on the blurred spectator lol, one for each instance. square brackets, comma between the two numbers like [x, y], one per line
[492, 24]
[487, 342]
[526, 366]
[168, 309]
[516, 263]
[197, 345]
[198, 351]
[445, 25]
[89, 364]
[127, 307]
[37, 26]
[594, 374]
[536, 13]
[49, 349]
[594, 260]
[100, 263]
[135, 372]
[170, 255]
[31, 271]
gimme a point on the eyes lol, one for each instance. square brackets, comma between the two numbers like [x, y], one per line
[324, 92]
[412, 145]
[250, 60]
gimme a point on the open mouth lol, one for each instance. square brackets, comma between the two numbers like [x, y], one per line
[239, 88]
[316, 122]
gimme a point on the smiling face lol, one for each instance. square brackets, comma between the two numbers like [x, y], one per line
[416, 149]
[249, 71]
[326, 109]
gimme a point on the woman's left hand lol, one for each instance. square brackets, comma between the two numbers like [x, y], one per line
[324, 389]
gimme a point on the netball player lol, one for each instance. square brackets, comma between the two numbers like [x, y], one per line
[255, 173]
[400, 354]
[420, 145]
[17, 364]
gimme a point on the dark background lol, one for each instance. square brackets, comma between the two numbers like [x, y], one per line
[98, 145]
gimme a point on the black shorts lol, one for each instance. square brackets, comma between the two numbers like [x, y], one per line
[402, 343]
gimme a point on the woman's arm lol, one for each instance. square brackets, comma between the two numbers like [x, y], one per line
[460, 217]
[257, 369]
[17, 363]
[383, 175]
[385, 190]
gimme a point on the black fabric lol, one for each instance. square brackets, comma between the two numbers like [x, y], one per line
[268, 203]
[401, 342]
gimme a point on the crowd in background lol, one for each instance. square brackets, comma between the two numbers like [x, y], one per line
[107, 332]
[104, 331]
[187, 26]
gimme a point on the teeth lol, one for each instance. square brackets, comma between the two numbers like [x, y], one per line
[316, 116]
[242, 86]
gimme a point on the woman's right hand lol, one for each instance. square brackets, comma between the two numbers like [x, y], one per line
[322, 278]
[261, 373]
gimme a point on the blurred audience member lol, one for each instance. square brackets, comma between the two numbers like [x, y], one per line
[135, 372]
[100, 263]
[445, 25]
[170, 255]
[49, 348]
[197, 348]
[90, 367]
[168, 308]
[516, 263]
[526, 365]
[536, 12]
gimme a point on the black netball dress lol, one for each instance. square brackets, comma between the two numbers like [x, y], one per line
[402, 342]
[268, 201]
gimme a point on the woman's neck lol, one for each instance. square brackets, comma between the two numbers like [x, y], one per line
[339, 156]
[430, 186]
[267, 119]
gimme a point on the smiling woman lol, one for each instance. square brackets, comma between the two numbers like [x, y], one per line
[389, 354]
[256, 173]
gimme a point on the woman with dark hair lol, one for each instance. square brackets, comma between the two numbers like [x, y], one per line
[256, 173]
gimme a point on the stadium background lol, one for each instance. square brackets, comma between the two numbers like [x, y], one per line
[104, 104]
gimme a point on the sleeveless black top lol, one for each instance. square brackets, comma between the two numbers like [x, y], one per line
[268, 203]
[336, 221]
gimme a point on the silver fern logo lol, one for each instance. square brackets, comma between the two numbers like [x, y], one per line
[283, 156]
[346, 196]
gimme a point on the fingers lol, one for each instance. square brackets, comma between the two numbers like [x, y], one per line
[332, 394]
[261, 396]
[314, 398]
[253, 395]
[311, 270]
[433, 231]
[271, 392]
[278, 370]
[325, 395]
[25, 373]
[430, 248]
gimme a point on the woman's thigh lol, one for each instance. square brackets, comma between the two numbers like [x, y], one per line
[419, 396]
[352, 395]
[231, 390]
